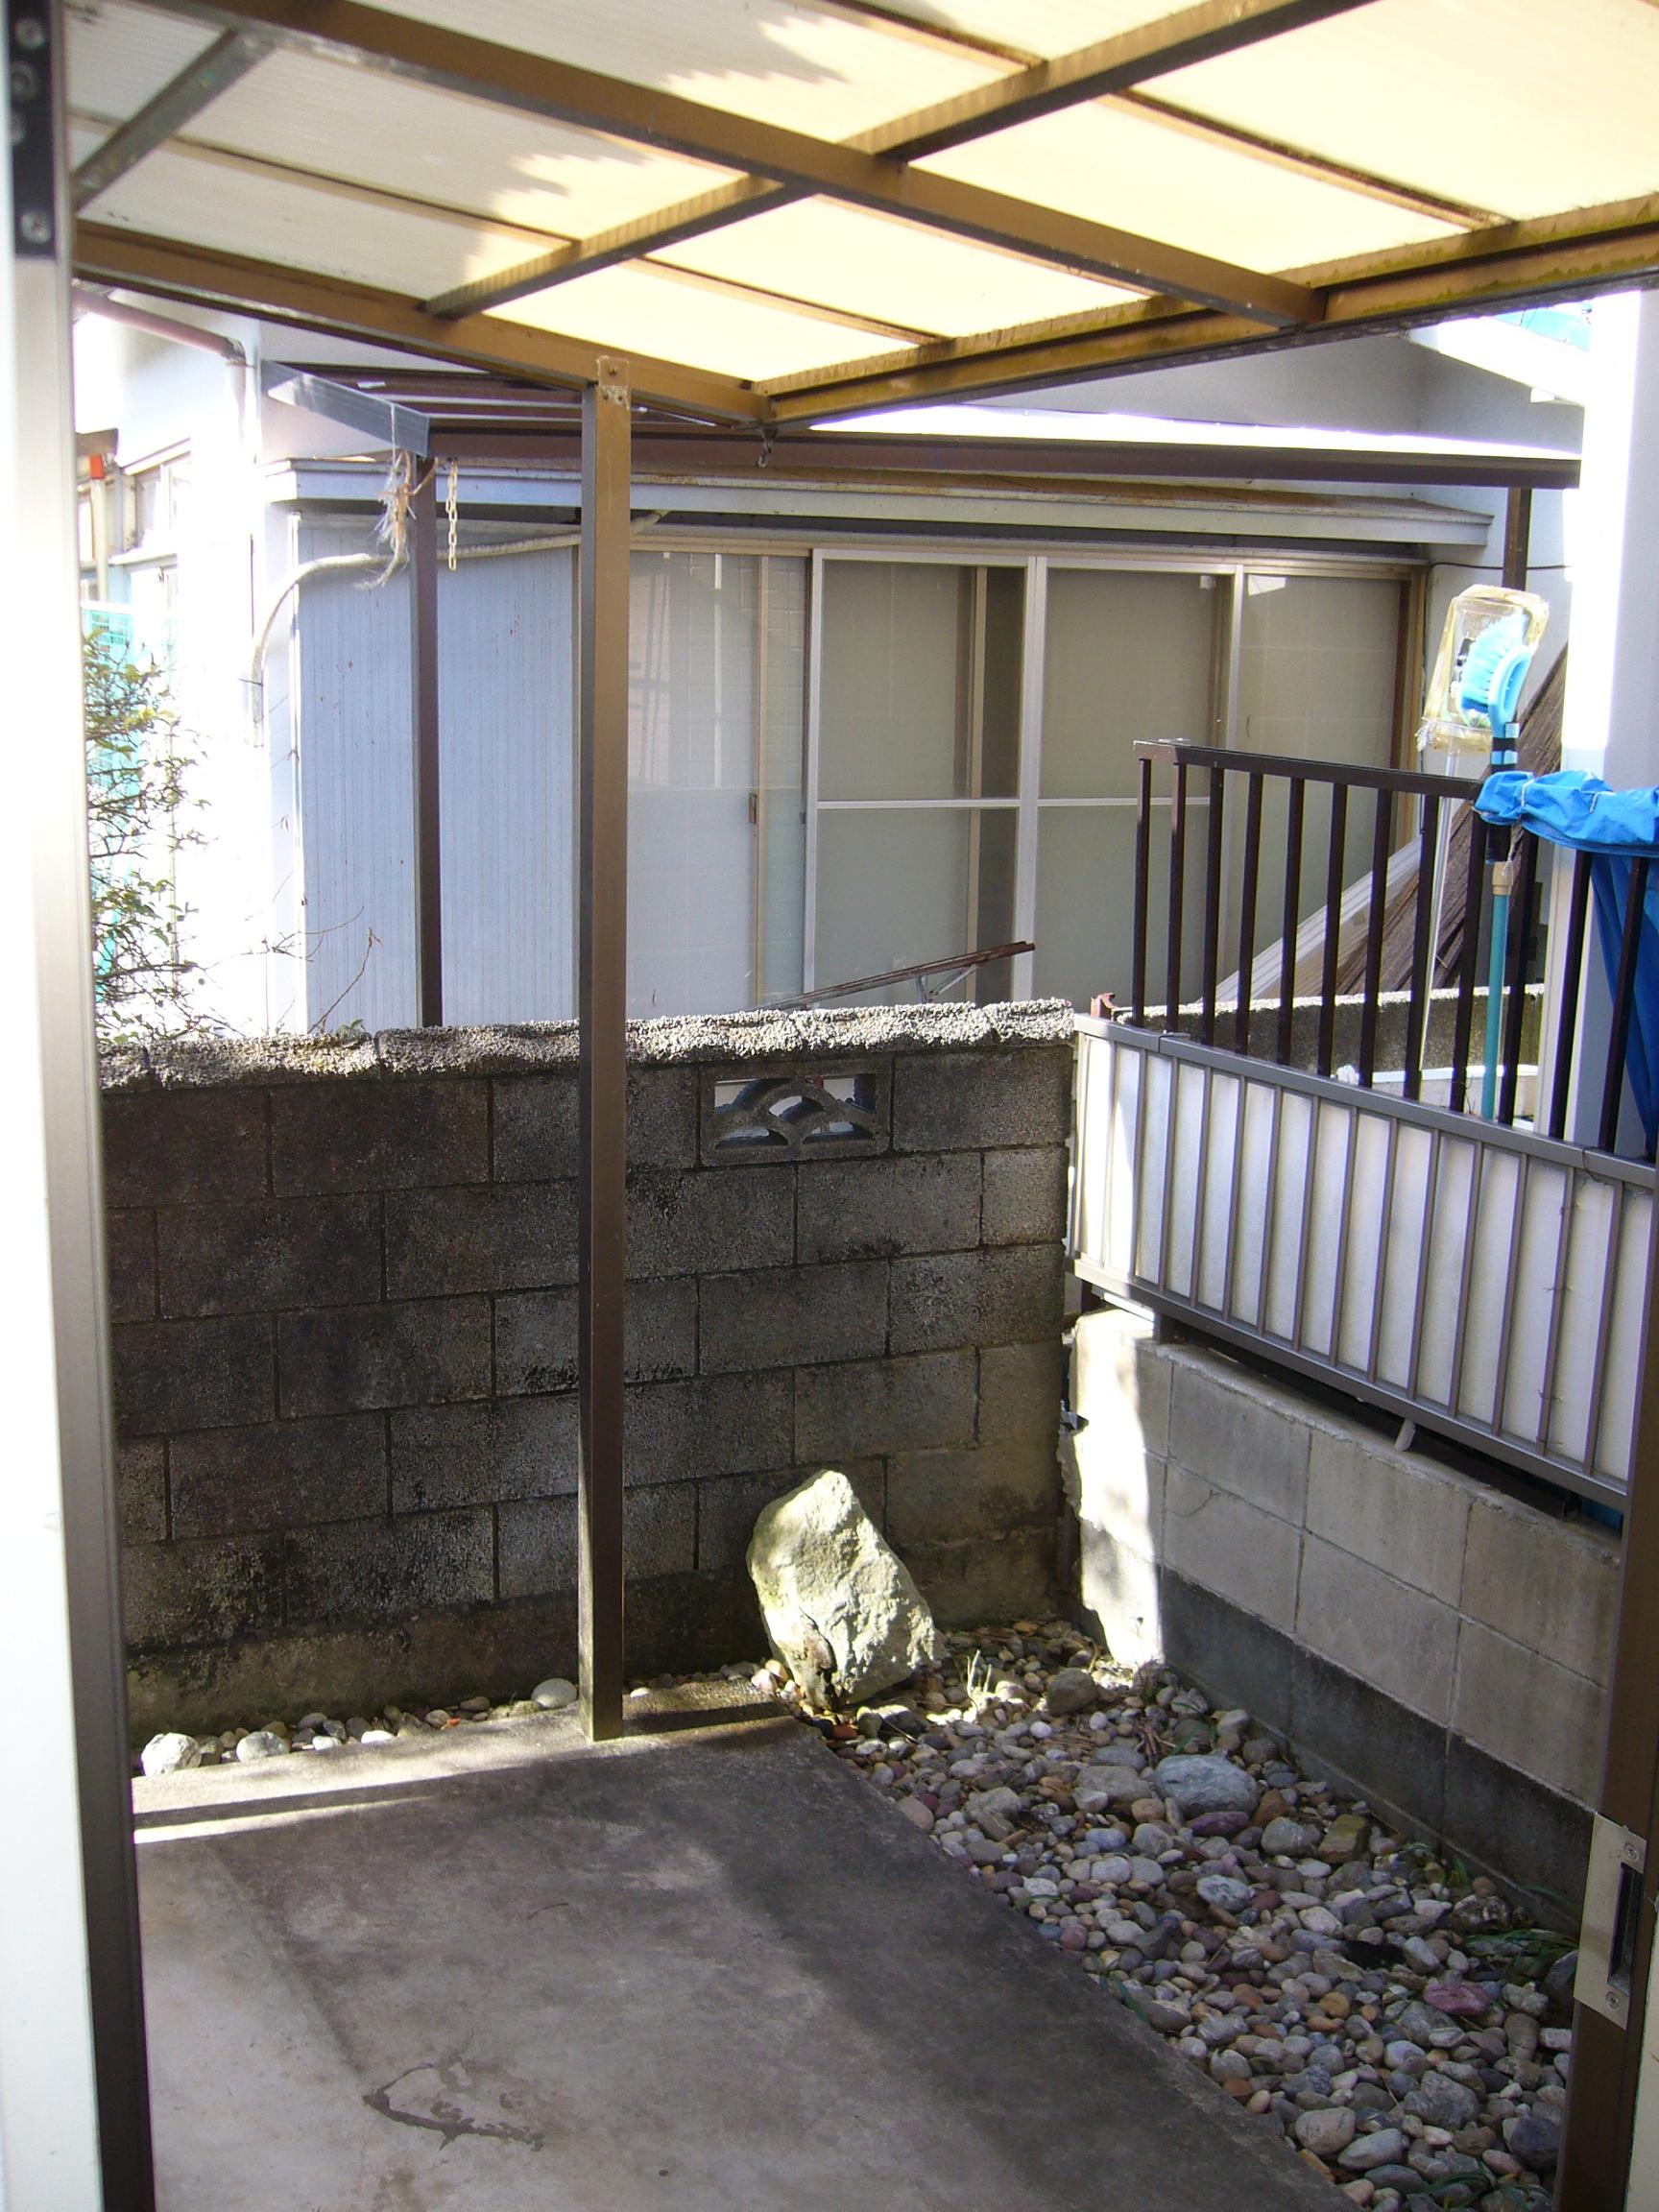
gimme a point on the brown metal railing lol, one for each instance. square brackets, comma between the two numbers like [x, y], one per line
[1430, 937]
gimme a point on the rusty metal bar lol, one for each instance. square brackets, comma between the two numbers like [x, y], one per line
[1333, 926]
[1247, 913]
[603, 1008]
[1142, 889]
[1572, 985]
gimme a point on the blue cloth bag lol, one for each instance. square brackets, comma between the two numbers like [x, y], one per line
[1615, 828]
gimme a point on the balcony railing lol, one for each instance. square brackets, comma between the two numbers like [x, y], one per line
[1291, 1156]
[1383, 897]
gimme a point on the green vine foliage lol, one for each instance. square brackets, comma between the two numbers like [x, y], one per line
[138, 815]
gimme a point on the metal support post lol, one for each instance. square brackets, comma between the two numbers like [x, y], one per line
[429, 785]
[603, 1007]
[1517, 537]
[74, 2095]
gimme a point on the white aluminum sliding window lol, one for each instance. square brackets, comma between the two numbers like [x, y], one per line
[716, 835]
[916, 753]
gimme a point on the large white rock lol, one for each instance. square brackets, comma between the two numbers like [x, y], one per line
[840, 1607]
[167, 1754]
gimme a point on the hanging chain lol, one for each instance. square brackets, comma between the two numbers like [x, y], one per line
[449, 509]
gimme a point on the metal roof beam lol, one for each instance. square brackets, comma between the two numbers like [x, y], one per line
[1592, 250]
[532, 83]
[179, 101]
[316, 303]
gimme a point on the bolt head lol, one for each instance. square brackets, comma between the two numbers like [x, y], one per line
[36, 228]
[29, 32]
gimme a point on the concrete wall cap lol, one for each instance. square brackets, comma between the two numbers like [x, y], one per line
[760, 1037]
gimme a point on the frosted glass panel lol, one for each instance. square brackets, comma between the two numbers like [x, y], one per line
[1316, 681]
[700, 690]
[1316, 674]
[919, 680]
[782, 752]
[896, 887]
[1085, 903]
[1129, 658]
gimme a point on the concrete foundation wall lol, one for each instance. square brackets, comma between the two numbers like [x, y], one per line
[343, 1286]
[1437, 1643]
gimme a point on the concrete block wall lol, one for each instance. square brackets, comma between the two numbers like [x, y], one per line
[343, 1291]
[1436, 1642]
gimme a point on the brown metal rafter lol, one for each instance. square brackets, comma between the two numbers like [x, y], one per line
[450, 61]
[176, 270]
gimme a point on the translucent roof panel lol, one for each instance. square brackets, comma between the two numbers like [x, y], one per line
[811, 69]
[230, 207]
[703, 184]
[1057, 27]
[120, 58]
[1189, 191]
[435, 146]
[638, 306]
[1523, 106]
[845, 259]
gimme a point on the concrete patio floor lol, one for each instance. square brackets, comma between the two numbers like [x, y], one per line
[706, 1970]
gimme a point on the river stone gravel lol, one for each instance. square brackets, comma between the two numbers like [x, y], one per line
[1391, 2017]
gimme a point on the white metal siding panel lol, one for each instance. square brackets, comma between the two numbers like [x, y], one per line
[356, 793]
[506, 696]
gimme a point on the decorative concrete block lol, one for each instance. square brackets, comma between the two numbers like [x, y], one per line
[129, 1257]
[353, 1570]
[535, 1337]
[178, 1148]
[500, 1237]
[1394, 1510]
[280, 1474]
[1239, 1432]
[1021, 1389]
[1025, 1196]
[353, 1358]
[1552, 1585]
[964, 1102]
[957, 1298]
[710, 1222]
[277, 1252]
[1528, 1712]
[867, 1408]
[172, 1375]
[873, 1209]
[1398, 1639]
[942, 1497]
[1219, 1540]
[185, 1594]
[141, 1486]
[385, 1136]
[783, 1317]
